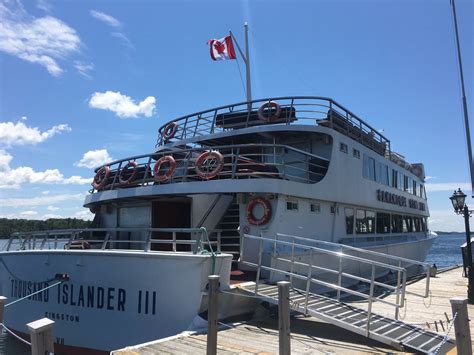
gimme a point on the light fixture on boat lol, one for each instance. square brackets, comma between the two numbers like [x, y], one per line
[458, 200]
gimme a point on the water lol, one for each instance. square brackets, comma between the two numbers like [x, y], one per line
[445, 252]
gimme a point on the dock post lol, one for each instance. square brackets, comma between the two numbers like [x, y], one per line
[461, 325]
[2, 305]
[41, 333]
[212, 315]
[284, 317]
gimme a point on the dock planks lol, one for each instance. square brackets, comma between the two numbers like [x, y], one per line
[310, 336]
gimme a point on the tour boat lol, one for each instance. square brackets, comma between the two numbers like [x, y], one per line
[302, 166]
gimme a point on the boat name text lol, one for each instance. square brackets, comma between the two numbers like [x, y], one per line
[385, 196]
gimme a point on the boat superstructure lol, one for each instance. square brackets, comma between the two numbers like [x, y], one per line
[271, 168]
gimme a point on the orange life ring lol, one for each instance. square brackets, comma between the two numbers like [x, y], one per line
[126, 170]
[201, 163]
[166, 159]
[267, 211]
[169, 131]
[268, 107]
[101, 177]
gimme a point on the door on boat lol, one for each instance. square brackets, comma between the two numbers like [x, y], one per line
[171, 214]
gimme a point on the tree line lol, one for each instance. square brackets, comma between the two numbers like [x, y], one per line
[9, 226]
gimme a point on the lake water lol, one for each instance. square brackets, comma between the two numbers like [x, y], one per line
[445, 252]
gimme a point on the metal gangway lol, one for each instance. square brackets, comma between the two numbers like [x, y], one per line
[317, 288]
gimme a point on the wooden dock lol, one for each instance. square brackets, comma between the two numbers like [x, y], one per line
[311, 336]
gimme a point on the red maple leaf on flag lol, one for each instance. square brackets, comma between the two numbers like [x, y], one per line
[219, 47]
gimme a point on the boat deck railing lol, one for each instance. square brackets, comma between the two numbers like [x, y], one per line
[309, 110]
[241, 161]
[140, 239]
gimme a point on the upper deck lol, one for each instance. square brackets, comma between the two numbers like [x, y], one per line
[295, 110]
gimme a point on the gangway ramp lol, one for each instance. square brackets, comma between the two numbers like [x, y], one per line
[307, 267]
[399, 335]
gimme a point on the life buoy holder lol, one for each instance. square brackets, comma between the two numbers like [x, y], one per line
[170, 130]
[267, 211]
[131, 165]
[166, 176]
[101, 177]
[201, 164]
[266, 108]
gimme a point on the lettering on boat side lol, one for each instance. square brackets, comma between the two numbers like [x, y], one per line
[85, 296]
[385, 196]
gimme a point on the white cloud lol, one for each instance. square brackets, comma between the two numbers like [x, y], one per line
[94, 158]
[44, 5]
[446, 221]
[46, 192]
[28, 213]
[20, 134]
[84, 214]
[52, 208]
[448, 186]
[40, 200]
[24, 118]
[83, 68]
[52, 215]
[107, 19]
[14, 178]
[122, 105]
[43, 40]
[124, 39]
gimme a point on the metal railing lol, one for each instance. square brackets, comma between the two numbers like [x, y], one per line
[241, 161]
[143, 239]
[308, 264]
[310, 110]
[365, 253]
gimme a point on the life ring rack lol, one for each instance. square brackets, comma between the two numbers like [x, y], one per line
[169, 131]
[267, 211]
[130, 165]
[100, 178]
[166, 176]
[268, 106]
[200, 163]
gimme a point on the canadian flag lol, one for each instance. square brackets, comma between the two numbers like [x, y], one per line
[222, 49]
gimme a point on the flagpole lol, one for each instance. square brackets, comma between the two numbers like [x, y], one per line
[246, 59]
[464, 101]
[247, 62]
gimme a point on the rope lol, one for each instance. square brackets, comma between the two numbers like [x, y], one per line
[16, 336]
[445, 339]
[34, 293]
[18, 278]
[213, 254]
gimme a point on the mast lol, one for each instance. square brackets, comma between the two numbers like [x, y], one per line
[464, 100]
[246, 59]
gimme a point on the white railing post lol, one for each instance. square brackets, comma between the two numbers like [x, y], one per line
[41, 334]
[2, 306]
[292, 259]
[461, 325]
[260, 251]
[284, 317]
[174, 241]
[397, 308]
[212, 311]
[308, 281]
[339, 279]
[371, 295]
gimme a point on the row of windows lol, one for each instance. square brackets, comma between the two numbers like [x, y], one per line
[293, 206]
[371, 222]
[345, 149]
[376, 171]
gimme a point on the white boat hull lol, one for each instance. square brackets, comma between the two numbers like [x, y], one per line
[113, 298]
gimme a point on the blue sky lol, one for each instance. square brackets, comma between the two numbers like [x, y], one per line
[85, 81]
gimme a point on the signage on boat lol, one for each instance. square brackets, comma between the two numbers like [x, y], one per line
[394, 199]
[85, 296]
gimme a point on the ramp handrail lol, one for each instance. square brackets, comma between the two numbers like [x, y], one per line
[310, 278]
[30, 240]
[395, 258]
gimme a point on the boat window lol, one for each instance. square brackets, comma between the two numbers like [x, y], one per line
[384, 176]
[417, 223]
[356, 153]
[407, 224]
[292, 205]
[349, 212]
[365, 221]
[315, 207]
[383, 222]
[369, 167]
[405, 183]
[397, 223]
[400, 180]
[394, 178]
[343, 148]
[414, 188]
[422, 191]
[423, 225]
